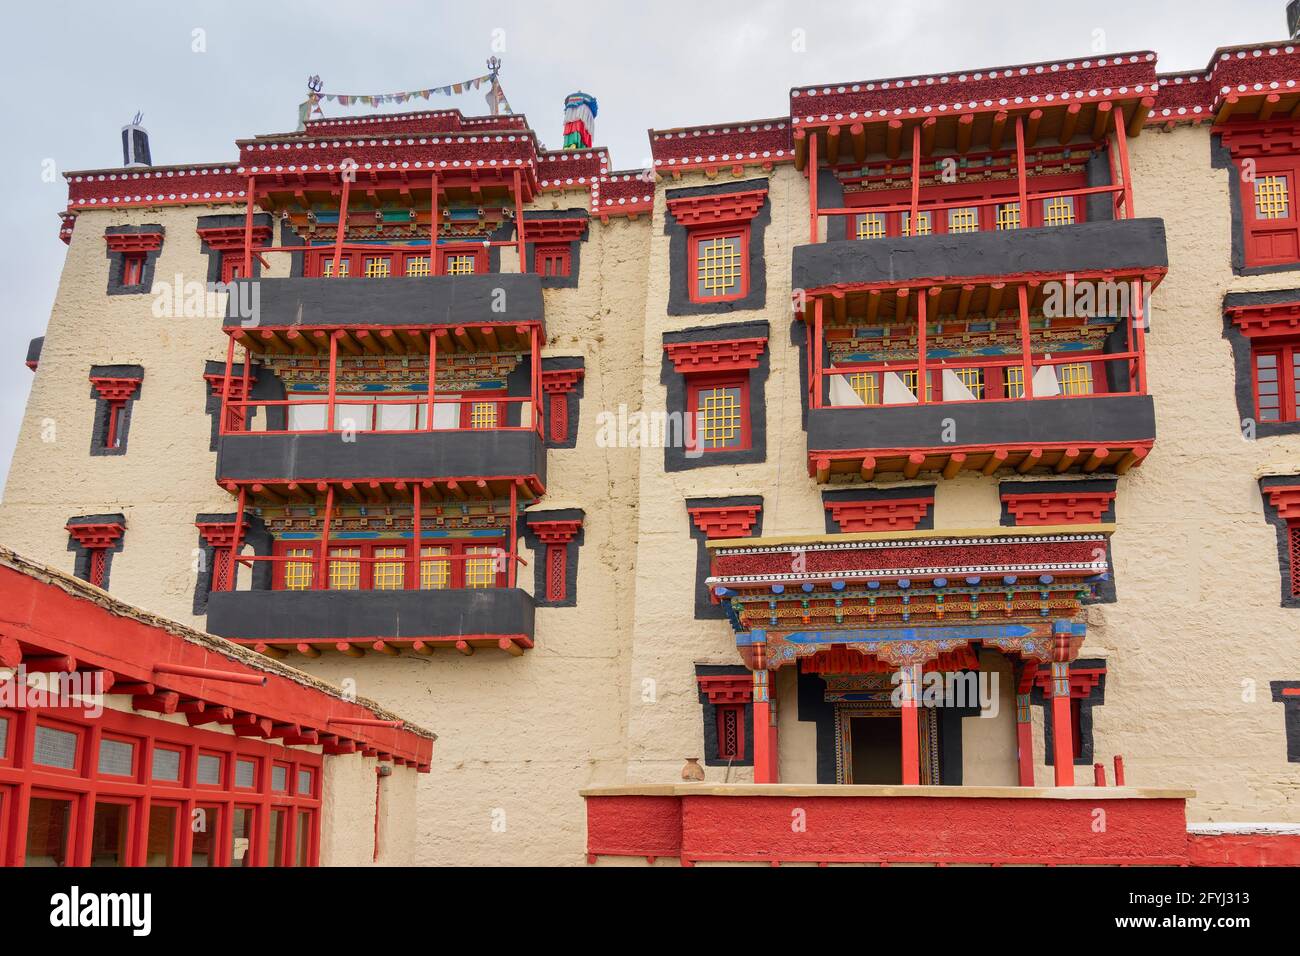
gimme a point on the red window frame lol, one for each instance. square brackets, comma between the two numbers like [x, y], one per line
[724, 713]
[696, 383]
[479, 253]
[1263, 238]
[557, 569]
[137, 749]
[223, 775]
[20, 777]
[232, 266]
[698, 235]
[553, 261]
[1286, 352]
[368, 547]
[953, 194]
[133, 268]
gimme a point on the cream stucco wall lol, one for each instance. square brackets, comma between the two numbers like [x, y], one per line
[608, 694]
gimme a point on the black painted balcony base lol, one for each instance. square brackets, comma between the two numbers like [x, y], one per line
[1100, 433]
[471, 616]
[473, 453]
[1123, 245]
[488, 299]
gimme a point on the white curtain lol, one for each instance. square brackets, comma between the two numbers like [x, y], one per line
[896, 392]
[954, 389]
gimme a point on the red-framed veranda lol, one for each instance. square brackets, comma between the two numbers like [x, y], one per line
[924, 309]
[1054, 199]
[346, 407]
[125, 789]
[335, 563]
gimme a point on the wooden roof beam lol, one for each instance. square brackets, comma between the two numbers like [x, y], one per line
[1069, 123]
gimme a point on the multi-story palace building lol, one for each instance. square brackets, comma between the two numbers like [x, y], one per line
[941, 431]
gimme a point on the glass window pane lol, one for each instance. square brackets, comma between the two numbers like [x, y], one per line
[109, 833]
[1272, 199]
[717, 267]
[55, 748]
[481, 572]
[719, 416]
[245, 773]
[304, 839]
[298, 575]
[345, 575]
[279, 779]
[1266, 360]
[241, 846]
[161, 848]
[389, 575]
[49, 823]
[116, 757]
[435, 570]
[209, 770]
[964, 219]
[206, 826]
[166, 764]
[304, 783]
[4, 737]
[276, 848]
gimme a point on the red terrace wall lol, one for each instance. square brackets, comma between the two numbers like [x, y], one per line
[1228, 849]
[889, 829]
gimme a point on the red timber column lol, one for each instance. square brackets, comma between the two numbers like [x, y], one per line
[1062, 731]
[1024, 741]
[910, 675]
[765, 766]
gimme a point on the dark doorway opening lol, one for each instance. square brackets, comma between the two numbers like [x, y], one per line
[877, 749]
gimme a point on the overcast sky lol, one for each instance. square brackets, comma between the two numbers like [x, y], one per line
[73, 73]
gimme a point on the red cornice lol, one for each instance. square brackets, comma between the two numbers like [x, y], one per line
[218, 534]
[1118, 77]
[156, 186]
[231, 238]
[1278, 318]
[92, 536]
[133, 241]
[1256, 81]
[883, 514]
[217, 383]
[725, 521]
[572, 168]
[628, 193]
[760, 143]
[115, 389]
[561, 380]
[727, 688]
[554, 230]
[1286, 499]
[691, 358]
[1082, 680]
[555, 532]
[717, 208]
[1246, 137]
[1030, 508]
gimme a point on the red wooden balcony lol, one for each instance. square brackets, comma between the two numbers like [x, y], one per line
[757, 823]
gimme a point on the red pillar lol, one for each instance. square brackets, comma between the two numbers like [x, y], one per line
[911, 681]
[1024, 741]
[1062, 731]
[764, 731]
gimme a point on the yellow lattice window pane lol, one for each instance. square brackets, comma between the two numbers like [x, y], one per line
[719, 417]
[390, 575]
[298, 574]
[1272, 199]
[460, 265]
[329, 268]
[717, 267]
[435, 569]
[1058, 211]
[417, 266]
[965, 219]
[909, 379]
[1013, 381]
[867, 386]
[1009, 216]
[1076, 379]
[345, 575]
[483, 415]
[871, 226]
[923, 224]
[481, 572]
[378, 268]
[972, 378]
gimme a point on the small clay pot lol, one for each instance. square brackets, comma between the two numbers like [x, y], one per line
[692, 772]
